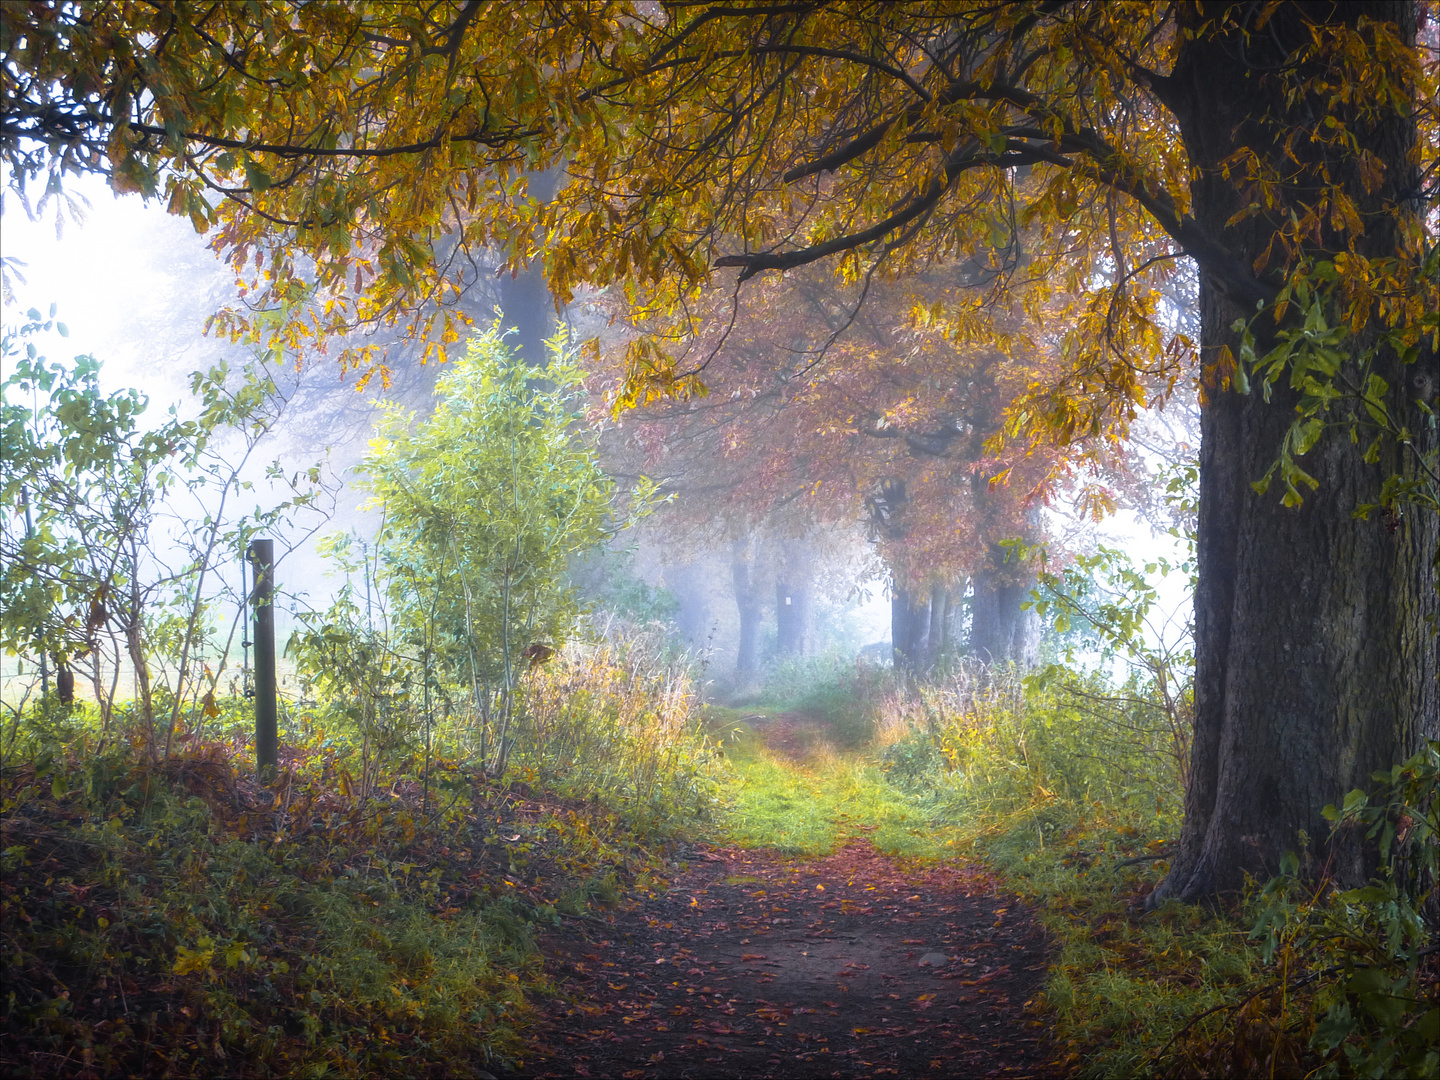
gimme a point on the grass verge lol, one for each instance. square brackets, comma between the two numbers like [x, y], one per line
[815, 801]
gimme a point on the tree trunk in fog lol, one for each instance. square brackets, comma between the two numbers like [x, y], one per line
[525, 299]
[792, 617]
[792, 597]
[909, 629]
[954, 612]
[1314, 661]
[1001, 631]
[749, 607]
[939, 624]
[688, 585]
[529, 310]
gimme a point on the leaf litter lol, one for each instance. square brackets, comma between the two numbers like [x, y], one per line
[757, 963]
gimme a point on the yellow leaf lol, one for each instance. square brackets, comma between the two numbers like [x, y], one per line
[192, 960]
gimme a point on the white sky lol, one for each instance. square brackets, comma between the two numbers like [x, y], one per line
[110, 282]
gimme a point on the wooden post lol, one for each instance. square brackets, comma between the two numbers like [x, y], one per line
[261, 555]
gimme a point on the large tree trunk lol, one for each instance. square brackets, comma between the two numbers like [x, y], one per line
[909, 629]
[1001, 630]
[1314, 661]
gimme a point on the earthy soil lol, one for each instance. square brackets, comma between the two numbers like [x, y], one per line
[755, 964]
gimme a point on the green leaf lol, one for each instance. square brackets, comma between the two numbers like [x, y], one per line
[1427, 1028]
[257, 179]
[1368, 894]
[1307, 434]
[1375, 390]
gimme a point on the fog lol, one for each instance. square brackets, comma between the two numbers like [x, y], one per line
[135, 287]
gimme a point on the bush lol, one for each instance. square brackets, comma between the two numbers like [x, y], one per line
[840, 690]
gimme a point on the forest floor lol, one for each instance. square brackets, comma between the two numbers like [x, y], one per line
[758, 962]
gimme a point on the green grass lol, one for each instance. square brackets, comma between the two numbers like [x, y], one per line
[1122, 981]
[812, 807]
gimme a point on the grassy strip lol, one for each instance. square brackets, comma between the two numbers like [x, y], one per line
[822, 798]
[1124, 982]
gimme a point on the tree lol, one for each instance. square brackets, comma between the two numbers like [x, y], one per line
[1288, 149]
[485, 504]
[843, 414]
[1350, 602]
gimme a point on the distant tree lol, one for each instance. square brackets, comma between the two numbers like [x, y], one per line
[819, 405]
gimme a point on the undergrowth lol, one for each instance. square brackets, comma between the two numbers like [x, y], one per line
[177, 917]
[814, 803]
[1079, 808]
[831, 686]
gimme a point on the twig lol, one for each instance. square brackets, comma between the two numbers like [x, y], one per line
[589, 919]
[1139, 859]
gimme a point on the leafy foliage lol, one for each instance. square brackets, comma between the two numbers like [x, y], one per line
[1365, 956]
[1115, 602]
[114, 530]
[1334, 373]
[372, 145]
[485, 504]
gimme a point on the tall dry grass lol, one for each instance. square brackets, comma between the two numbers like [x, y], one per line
[615, 719]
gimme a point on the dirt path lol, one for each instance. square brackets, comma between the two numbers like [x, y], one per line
[754, 964]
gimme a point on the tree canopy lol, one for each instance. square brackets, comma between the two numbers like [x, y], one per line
[352, 159]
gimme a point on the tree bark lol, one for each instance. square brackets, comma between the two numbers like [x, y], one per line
[748, 606]
[955, 615]
[1315, 664]
[909, 629]
[1001, 631]
[939, 623]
